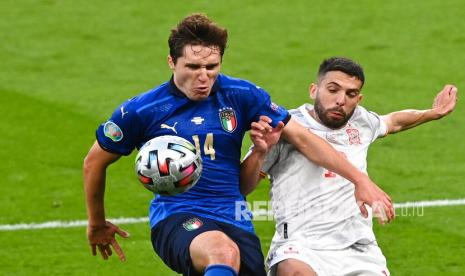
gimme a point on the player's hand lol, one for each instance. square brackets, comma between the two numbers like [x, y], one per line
[445, 101]
[367, 192]
[103, 238]
[263, 135]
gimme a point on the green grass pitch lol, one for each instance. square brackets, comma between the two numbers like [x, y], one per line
[65, 65]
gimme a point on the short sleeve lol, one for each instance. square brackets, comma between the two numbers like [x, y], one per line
[260, 104]
[122, 131]
[377, 124]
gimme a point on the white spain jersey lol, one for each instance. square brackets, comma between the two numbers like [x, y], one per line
[312, 203]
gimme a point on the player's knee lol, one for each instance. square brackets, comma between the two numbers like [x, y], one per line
[294, 268]
[214, 247]
[226, 253]
[294, 272]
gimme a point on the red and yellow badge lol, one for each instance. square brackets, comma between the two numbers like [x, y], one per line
[228, 119]
[354, 136]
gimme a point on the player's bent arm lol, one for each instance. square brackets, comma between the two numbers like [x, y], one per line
[405, 119]
[443, 104]
[320, 152]
[250, 171]
[94, 170]
[263, 137]
[100, 233]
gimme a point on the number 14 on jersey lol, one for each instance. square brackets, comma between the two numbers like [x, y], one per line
[208, 148]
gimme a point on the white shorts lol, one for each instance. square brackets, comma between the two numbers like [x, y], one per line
[358, 259]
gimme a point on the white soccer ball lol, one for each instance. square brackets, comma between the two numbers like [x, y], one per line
[168, 165]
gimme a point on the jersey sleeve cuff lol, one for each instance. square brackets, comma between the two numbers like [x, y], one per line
[286, 120]
[105, 148]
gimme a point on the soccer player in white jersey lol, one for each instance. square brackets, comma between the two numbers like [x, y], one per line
[319, 227]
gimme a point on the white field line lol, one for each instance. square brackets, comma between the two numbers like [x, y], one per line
[82, 223]
[432, 203]
[65, 224]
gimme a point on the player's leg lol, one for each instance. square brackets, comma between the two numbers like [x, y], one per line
[293, 267]
[172, 239]
[252, 260]
[214, 248]
[294, 258]
[363, 260]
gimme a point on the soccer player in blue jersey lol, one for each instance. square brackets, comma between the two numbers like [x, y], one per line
[199, 231]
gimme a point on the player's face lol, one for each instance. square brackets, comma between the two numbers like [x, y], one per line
[195, 72]
[336, 97]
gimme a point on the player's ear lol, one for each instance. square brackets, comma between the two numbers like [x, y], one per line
[360, 98]
[170, 62]
[312, 91]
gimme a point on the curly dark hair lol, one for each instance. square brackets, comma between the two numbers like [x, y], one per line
[196, 29]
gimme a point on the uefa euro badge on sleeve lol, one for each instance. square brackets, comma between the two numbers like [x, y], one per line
[112, 131]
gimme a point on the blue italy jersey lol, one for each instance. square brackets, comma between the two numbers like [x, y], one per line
[216, 126]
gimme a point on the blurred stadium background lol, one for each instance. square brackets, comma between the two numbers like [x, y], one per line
[65, 65]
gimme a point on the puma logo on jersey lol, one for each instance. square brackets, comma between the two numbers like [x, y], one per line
[173, 128]
[123, 112]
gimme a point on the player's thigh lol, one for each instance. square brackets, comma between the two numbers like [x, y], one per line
[252, 260]
[293, 267]
[294, 258]
[214, 247]
[172, 237]
[363, 260]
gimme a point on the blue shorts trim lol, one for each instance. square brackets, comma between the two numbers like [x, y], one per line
[172, 237]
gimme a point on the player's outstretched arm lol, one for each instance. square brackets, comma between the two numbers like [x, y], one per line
[320, 152]
[263, 137]
[100, 233]
[443, 104]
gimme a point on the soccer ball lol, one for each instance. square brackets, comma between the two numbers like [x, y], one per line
[168, 165]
